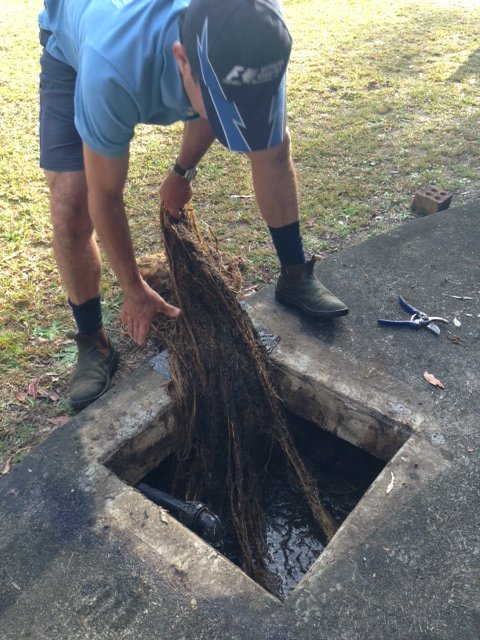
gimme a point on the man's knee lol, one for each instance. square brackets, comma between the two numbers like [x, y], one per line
[68, 207]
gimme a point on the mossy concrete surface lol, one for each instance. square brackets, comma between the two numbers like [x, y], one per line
[83, 555]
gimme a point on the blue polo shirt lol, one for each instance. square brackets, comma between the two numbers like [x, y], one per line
[126, 72]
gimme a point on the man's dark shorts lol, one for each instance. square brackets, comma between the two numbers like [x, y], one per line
[60, 144]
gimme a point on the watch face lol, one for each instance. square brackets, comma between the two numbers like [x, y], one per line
[190, 174]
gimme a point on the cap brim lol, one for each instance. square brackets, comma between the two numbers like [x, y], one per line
[253, 125]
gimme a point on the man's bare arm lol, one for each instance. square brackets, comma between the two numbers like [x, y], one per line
[105, 181]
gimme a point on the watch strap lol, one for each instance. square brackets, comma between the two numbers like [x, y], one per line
[188, 174]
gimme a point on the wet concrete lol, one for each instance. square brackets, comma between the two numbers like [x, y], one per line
[83, 555]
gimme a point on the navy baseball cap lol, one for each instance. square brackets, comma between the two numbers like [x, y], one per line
[238, 51]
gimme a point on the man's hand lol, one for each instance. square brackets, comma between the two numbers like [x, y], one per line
[139, 309]
[175, 192]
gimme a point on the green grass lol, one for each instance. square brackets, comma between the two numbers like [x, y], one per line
[383, 99]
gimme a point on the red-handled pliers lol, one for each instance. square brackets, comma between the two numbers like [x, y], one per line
[418, 320]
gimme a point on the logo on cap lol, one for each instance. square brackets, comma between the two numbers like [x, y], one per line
[247, 75]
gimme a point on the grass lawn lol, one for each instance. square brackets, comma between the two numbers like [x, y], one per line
[383, 99]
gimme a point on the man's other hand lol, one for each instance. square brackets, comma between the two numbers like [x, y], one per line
[175, 192]
[139, 308]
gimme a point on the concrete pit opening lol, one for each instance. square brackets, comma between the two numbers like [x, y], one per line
[345, 445]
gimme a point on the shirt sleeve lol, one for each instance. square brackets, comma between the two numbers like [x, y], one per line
[105, 111]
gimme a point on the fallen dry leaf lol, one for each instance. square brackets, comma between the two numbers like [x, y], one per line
[456, 339]
[59, 421]
[163, 516]
[51, 395]
[21, 396]
[392, 482]
[32, 389]
[431, 379]
[7, 467]
[37, 392]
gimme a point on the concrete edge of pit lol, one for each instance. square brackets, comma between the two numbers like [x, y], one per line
[138, 411]
[349, 401]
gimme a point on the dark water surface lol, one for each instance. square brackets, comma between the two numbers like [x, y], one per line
[343, 474]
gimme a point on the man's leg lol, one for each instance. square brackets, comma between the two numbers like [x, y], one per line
[75, 249]
[276, 191]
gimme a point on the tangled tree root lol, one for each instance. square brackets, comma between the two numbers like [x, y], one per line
[228, 416]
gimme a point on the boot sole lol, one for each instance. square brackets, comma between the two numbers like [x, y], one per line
[290, 302]
[112, 366]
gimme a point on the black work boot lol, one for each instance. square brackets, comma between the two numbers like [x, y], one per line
[93, 373]
[297, 286]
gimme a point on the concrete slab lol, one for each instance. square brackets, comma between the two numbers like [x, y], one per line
[83, 555]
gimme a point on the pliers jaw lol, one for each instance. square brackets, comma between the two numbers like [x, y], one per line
[418, 319]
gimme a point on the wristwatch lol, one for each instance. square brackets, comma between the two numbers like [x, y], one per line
[188, 174]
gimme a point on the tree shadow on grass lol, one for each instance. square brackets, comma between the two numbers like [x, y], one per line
[469, 69]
